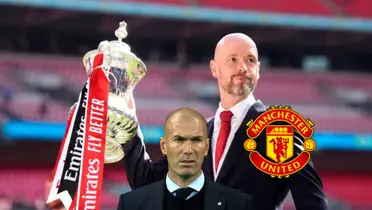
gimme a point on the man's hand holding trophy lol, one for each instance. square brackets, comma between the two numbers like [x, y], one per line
[101, 120]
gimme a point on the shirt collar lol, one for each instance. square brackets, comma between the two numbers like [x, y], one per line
[239, 110]
[197, 184]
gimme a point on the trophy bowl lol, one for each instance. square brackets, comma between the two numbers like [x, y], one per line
[124, 70]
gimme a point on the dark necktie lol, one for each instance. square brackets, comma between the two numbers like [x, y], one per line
[183, 193]
[222, 136]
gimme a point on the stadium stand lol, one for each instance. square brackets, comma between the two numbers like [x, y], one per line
[355, 8]
[310, 7]
[287, 6]
[309, 93]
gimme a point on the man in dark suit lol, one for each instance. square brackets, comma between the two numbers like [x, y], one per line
[186, 144]
[236, 68]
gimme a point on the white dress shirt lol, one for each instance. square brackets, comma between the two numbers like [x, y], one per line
[239, 112]
[197, 185]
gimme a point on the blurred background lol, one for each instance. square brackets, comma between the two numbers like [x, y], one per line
[316, 56]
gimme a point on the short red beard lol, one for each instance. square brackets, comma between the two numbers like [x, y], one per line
[239, 90]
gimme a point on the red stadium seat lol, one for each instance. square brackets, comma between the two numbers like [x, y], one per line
[352, 188]
[311, 7]
[356, 8]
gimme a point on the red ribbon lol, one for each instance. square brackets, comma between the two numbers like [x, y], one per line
[90, 184]
[87, 194]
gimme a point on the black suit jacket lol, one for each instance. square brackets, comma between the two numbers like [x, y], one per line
[217, 197]
[237, 171]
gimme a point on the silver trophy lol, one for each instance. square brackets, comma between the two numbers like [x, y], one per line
[124, 70]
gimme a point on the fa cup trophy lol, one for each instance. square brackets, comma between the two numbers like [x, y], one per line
[124, 70]
[101, 120]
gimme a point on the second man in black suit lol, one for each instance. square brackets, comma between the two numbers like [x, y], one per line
[186, 144]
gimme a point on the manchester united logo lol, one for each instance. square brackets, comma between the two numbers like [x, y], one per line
[281, 159]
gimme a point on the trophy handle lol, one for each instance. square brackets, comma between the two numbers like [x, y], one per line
[87, 61]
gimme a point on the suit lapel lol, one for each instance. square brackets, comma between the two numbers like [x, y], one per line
[156, 197]
[236, 149]
[208, 160]
[213, 197]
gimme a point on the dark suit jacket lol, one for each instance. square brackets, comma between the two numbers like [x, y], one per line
[151, 197]
[237, 171]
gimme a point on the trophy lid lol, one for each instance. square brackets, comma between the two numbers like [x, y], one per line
[111, 48]
[118, 45]
[121, 32]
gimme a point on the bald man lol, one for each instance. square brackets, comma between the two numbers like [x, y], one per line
[236, 68]
[185, 143]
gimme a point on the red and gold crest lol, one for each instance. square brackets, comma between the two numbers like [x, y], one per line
[279, 142]
[281, 160]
